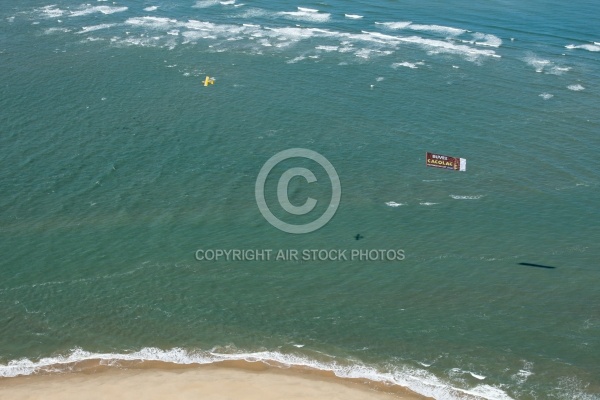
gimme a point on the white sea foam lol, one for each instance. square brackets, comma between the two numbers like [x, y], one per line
[50, 11]
[460, 197]
[310, 10]
[363, 53]
[484, 39]
[151, 8]
[97, 9]
[393, 204]
[220, 30]
[524, 373]
[327, 48]
[254, 13]
[458, 371]
[367, 53]
[588, 47]
[545, 66]
[353, 16]
[205, 3]
[394, 25]
[141, 41]
[50, 31]
[576, 87]
[546, 96]
[538, 63]
[92, 28]
[406, 64]
[375, 37]
[419, 380]
[444, 30]
[153, 22]
[308, 16]
[227, 2]
[556, 70]
[440, 46]
[360, 44]
[93, 39]
[296, 59]
[294, 33]
[427, 204]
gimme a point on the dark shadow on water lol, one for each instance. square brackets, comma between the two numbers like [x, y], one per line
[536, 265]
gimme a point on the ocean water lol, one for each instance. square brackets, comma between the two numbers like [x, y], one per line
[118, 165]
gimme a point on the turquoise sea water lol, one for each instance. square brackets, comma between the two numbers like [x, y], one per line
[117, 165]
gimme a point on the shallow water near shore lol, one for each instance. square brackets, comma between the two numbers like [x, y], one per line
[118, 165]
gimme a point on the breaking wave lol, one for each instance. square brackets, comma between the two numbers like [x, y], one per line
[416, 379]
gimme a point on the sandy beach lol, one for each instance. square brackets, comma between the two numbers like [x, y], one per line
[216, 383]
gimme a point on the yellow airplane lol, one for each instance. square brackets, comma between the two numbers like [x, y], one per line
[209, 81]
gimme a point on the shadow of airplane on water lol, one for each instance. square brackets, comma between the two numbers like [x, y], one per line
[536, 265]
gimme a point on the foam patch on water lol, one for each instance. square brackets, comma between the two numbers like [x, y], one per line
[51, 11]
[393, 204]
[92, 28]
[439, 29]
[473, 374]
[461, 197]
[545, 66]
[524, 373]
[439, 46]
[556, 70]
[485, 39]
[374, 37]
[97, 9]
[394, 25]
[427, 204]
[151, 8]
[144, 41]
[296, 59]
[50, 31]
[251, 13]
[364, 45]
[538, 63]
[353, 16]
[153, 22]
[418, 380]
[309, 10]
[589, 47]
[546, 96]
[205, 3]
[327, 48]
[576, 87]
[307, 16]
[407, 64]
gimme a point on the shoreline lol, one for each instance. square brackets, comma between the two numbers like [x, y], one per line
[242, 380]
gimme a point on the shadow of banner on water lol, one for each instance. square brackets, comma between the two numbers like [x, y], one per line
[536, 265]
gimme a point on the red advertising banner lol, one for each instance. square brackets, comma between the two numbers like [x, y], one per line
[445, 162]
